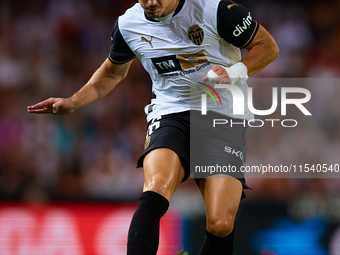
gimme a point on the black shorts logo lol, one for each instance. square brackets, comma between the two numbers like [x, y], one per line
[147, 142]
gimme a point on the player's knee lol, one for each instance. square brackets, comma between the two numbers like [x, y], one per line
[160, 186]
[220, 227]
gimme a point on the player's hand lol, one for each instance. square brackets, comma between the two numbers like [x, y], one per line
[57, 106]
[220, 77]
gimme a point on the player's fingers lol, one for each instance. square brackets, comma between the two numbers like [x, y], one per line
[55, 108]
[41, 105]
[217, 75]
[60, 107]
[219, 70]
[39, 111]
[216, 68]
[222, 80]
[37, 106]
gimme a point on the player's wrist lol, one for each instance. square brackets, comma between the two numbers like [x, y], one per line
[74, 103]
[237, 72]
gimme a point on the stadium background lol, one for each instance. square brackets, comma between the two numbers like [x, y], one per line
[82, 166]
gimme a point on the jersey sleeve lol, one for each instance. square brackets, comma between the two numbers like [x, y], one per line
[235, 24]
[120, 52]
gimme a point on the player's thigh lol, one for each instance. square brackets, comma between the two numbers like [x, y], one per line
[221, 195]
[163, 172]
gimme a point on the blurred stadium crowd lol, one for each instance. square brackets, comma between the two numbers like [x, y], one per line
[51, 48]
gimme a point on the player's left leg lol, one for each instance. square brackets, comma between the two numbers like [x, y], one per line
[221, 195]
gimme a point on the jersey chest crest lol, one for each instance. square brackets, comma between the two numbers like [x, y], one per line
[196, 34]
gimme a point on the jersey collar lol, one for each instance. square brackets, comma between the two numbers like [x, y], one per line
[178, 9]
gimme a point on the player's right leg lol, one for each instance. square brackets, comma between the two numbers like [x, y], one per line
[166, 150]
[163, 173]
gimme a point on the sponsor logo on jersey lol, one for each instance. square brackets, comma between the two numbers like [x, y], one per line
[146, 40]
[240, 29]
[167, 64]
[191, 60]
[178, 62]
[196, 34]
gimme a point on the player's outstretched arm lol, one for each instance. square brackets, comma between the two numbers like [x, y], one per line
[100, 84]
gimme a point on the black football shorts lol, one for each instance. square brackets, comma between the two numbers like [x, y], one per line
[204, 150]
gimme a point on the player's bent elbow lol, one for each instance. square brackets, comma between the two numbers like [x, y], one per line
[275, 51]
[272, 51]
[117, 72]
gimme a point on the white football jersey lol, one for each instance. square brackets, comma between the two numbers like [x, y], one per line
[178, 51]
